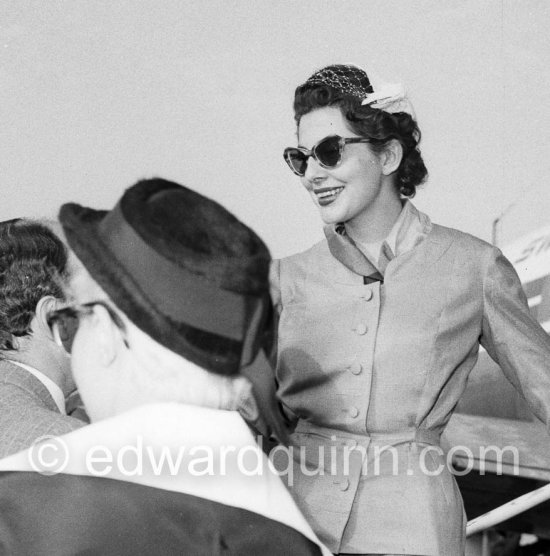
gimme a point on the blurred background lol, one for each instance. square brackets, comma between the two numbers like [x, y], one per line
[97, 94]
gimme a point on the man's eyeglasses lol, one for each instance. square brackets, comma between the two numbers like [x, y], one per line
[64, 322]
[327, 152]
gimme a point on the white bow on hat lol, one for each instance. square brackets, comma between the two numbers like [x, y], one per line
[390, 97]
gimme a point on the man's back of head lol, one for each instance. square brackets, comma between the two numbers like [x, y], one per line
[33, 262]
[35, 374]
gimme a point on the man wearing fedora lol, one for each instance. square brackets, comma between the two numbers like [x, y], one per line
[35, 373]
[171, 302]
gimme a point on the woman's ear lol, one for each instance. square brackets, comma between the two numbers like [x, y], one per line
[391, 157]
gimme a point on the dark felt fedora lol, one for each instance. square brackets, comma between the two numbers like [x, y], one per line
[182, 268]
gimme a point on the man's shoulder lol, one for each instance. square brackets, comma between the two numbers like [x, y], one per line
[14, 378]
[23, 422]
[27, 411]
[118, 517]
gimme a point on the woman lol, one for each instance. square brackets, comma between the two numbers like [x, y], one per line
[380, 325]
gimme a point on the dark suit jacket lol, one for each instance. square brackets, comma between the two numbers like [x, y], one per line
[64, 515]
[27, 410]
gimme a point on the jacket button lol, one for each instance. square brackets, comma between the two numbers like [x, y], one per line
[353, 411]
[368, 295]
[344, 485]
[361, 329]
[355, 368]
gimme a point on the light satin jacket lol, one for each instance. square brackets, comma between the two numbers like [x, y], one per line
[370, 372]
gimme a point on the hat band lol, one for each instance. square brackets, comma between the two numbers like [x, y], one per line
[203, 305]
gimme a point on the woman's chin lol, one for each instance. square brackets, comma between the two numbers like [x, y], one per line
[329, 215]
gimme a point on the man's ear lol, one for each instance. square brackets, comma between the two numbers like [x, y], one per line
[391, 157]
[44, 306]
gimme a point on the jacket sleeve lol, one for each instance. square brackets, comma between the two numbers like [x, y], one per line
[513, 338]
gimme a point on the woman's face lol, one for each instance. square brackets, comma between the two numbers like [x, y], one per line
[351, 189]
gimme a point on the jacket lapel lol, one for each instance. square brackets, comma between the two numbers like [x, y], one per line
[343, 249]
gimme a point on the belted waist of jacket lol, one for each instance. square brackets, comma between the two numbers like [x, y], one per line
[325, 467]
[344, 457]
[418, 435]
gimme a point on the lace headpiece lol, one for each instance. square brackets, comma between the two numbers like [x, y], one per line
[354, 81]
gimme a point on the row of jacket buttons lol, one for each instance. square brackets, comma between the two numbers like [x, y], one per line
[356, 368]
[361, 328]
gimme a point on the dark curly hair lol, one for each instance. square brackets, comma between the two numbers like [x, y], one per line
[32, 261]
[375, 124]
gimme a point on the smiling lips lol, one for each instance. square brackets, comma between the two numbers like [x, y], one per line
[327, 195]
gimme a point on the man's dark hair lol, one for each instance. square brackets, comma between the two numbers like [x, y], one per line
[32, 261]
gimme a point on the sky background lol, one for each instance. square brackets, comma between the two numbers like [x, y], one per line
[96, 94]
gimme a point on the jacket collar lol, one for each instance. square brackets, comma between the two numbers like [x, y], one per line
[161, 446]
[54, 390]
[409, 230]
